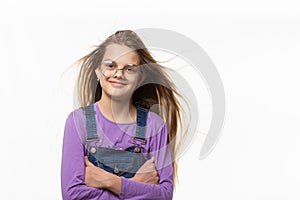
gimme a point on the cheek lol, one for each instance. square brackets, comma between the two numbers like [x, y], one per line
[140, 80]
[103, 81]
[135, 82]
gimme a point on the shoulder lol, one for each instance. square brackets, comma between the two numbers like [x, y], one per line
[76, 122]
[155, 121]
[158, 133]
[75, 115]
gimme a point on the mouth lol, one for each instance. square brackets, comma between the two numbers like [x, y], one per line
[117, 84]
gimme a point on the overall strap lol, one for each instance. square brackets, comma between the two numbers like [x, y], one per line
[90, 122]
[141, 122]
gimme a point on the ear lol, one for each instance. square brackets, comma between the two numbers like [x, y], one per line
[98, 73]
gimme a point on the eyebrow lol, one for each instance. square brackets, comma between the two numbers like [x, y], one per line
[129, 64]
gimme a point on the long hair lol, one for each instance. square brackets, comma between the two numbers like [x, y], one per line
[156, 88]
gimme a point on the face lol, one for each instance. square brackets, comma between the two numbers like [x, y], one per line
[119, 85]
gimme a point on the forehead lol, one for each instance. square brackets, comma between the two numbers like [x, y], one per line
[121, 54]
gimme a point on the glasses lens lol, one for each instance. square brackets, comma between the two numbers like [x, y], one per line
[131, 69]
[108, 68]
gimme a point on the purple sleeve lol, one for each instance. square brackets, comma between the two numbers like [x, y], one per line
[72, 168]
[163, 162]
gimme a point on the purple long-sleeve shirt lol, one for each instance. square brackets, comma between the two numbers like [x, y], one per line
[120, 136]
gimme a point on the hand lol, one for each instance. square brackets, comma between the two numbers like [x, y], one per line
[147, 173]
[99, 178]
[95, 176]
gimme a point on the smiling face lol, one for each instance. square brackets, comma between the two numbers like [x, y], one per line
[123, 83]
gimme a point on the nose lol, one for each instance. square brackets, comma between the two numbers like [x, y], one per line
[119, 72]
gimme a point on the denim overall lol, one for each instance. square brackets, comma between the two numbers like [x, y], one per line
[119, 162]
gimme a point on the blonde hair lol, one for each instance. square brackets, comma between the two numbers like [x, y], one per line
[155, 89]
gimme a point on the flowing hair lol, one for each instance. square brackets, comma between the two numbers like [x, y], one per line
[155, 89]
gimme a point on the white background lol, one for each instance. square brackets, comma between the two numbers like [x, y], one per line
[254, 44]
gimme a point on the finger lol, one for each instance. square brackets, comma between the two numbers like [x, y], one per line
[149, 164]
[87, 162]
[151, 160]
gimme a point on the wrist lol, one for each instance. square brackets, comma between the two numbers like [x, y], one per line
[107, 182]
[113, 184]
[133, 178]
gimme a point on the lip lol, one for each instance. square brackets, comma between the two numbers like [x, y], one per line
[117, 84]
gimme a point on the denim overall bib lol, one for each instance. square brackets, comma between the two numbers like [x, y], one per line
[119, 162]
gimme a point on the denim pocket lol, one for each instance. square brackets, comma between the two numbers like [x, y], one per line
[119, 162]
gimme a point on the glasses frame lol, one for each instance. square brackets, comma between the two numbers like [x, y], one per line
[117, 68]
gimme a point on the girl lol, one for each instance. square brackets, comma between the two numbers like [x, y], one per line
[118, 83]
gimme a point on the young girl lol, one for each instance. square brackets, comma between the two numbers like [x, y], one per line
[127, 100]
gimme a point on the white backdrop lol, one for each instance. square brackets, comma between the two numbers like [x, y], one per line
[254, 44]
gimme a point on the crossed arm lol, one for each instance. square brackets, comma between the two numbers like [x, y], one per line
[99, 178]
[80, 179]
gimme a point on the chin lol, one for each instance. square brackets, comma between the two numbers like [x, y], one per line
[119, 94]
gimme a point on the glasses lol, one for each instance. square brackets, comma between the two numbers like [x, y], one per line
[109, 68]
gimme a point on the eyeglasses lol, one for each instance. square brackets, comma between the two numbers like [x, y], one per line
[109, 68]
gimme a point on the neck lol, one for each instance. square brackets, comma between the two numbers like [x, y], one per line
[117, 110]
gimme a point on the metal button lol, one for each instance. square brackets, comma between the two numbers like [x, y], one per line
[116, 170]
[137, 149]
[93, 150]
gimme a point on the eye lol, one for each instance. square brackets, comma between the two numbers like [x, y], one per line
[131, 68]
[109, 64]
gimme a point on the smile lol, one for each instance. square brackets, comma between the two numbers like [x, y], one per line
[117, 84]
